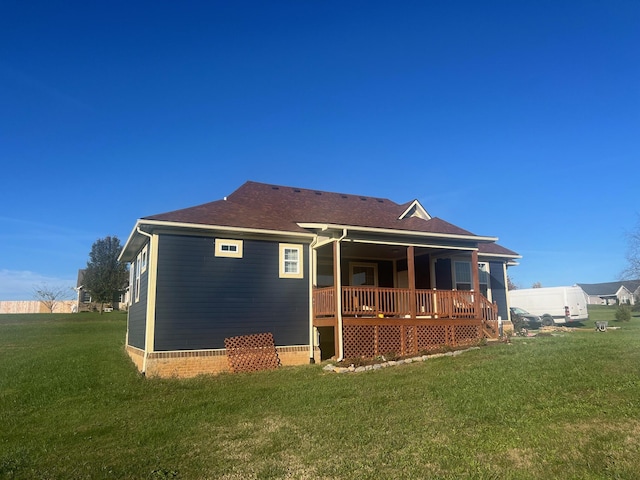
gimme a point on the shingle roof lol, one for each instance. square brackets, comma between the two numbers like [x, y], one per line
[274, 207]
[279, 208]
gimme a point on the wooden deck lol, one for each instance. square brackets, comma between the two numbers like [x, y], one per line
[378, 321]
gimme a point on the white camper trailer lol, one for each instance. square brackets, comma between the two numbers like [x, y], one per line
[555, 305]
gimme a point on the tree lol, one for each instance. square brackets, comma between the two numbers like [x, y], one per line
[633, 253]
[105, 276]
[51, 296]
[536, 285]
[511, 284]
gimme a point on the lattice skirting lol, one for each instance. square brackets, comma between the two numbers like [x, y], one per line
[371, 340]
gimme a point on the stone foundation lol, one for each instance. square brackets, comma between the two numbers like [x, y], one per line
[185, 364]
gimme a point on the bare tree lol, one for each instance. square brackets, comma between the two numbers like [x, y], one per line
[511, 284]
[633, 253]
[536, 285]
[50, 297]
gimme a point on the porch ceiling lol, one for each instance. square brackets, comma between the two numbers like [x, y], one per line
[377, 251]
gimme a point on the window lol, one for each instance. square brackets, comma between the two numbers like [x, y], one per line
[291, 265]
[144, 259]
[131, 280]
[483, 274]
[462, 271]
[363, 274]
[228, 248]
[138, 265]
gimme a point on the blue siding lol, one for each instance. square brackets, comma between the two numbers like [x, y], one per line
[498, 288]
[137, 316]
[201, 299]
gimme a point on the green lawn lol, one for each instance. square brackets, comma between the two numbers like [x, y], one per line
[73, 406]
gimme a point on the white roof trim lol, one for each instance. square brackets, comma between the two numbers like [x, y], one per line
[200, 226]
[499, 255]
[414, 233]
[415, 210]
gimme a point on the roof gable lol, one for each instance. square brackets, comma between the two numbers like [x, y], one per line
[415, 209]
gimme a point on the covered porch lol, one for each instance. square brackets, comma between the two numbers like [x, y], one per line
[374, 297]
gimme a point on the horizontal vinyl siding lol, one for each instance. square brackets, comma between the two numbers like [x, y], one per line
[498, 288]
[137, 322]
[201, 298]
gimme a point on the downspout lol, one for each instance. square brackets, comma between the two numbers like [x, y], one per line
[339, 296]
[146, 353]
[311, 279]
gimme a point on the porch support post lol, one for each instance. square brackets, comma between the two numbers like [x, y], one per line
[475, 277]
[474, 271]
[411, 273]
[337, 282]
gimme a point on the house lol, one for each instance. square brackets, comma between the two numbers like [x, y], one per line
[611, 293]
[327, 274]
[84, 302]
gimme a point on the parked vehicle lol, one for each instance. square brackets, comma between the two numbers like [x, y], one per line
[554, 305]
[529, 320]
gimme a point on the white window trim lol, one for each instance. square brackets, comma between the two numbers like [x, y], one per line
[234, 250]
[455, 276]
[137, 288]
[132, 267]
[144, 259]
[283, 247]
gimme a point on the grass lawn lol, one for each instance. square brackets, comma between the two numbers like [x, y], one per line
[73, 406]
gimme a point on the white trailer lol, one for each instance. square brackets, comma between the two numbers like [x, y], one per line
[555, 305]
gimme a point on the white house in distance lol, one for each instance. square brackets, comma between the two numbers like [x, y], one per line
[612, 293]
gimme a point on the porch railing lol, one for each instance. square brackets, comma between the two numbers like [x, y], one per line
[400, 303]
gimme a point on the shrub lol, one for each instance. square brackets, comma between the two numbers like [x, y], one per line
[623, 313]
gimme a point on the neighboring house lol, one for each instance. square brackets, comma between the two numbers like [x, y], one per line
[328, 274]
[611, 293]
[84, 302]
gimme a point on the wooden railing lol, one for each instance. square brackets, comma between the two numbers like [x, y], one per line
[400, 303]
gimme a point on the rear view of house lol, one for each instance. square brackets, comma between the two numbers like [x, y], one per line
[327, 274]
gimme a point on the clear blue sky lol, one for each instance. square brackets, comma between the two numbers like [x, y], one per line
[514, 119]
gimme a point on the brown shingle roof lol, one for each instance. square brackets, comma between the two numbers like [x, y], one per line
[274, 207]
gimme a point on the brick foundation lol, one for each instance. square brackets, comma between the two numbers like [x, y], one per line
[185, 364]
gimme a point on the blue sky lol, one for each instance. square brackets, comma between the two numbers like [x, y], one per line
[519, 120]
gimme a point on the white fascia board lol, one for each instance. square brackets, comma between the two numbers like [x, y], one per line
[498, 255]
[129, 240]
[389, 231]
[419, 208]
[224, 228]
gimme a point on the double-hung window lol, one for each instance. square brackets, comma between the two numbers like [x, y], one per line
[138, 268]
[291, 261]
[462, 272]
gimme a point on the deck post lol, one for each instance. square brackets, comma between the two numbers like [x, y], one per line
[475, 276]
[337, 335]
[411, 273]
